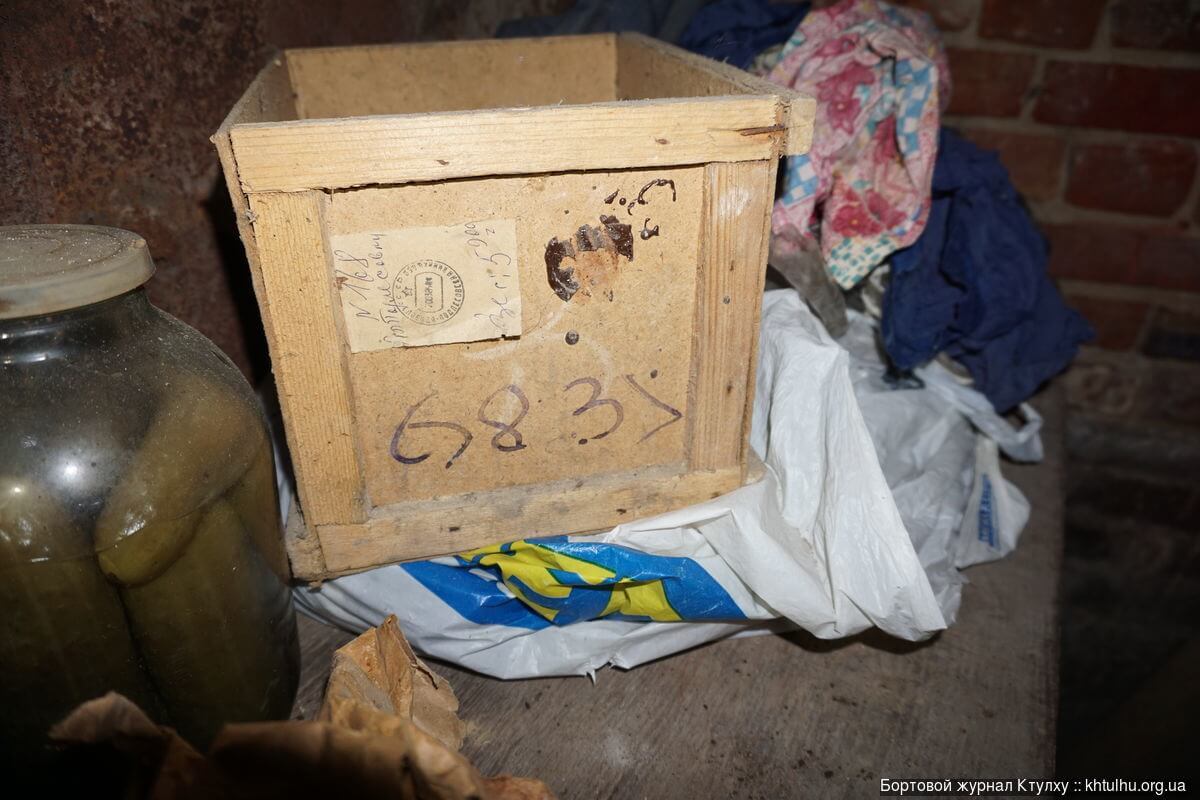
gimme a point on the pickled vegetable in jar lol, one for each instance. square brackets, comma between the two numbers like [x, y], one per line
[140, 541]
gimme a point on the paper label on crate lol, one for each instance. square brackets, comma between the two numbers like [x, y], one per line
[412, 287]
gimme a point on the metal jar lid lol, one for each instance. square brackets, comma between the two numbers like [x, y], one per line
[47, 268]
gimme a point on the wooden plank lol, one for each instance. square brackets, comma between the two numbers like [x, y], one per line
[345, 153]
[648, 68]
[308, 355]
[452, 524]
[728, 304]
[269, 99]
[776, 716]
[303, 546]
[308, 560]
[317, 643]
[453, 76]
[749, 460]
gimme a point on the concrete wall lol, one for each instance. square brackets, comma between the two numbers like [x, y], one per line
[106, 109]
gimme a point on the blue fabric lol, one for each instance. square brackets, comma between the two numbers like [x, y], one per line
[664, 19]
[975, 285]
[736, 31]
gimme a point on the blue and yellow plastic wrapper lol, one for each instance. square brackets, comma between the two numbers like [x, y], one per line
[860, 521]
[556, 581]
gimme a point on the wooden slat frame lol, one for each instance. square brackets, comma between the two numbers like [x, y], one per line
[453, 524]
[344, 153]
[309, 354]
[269, 98]
[749, 460]
[728, 304]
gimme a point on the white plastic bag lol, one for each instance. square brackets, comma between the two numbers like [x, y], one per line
[945, 478]
[1020, 444]
[996, 511]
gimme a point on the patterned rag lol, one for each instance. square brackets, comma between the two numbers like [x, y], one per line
[878, 73]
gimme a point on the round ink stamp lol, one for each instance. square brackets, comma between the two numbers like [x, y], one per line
[428, 292]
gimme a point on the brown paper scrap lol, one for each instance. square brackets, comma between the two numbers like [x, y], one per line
[410, 287]
[388, 729]
[157, 757]
[379, 672]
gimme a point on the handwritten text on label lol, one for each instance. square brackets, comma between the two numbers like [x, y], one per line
[432, 285]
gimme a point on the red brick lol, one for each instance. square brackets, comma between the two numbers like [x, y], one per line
[1121, 97]
[948, 15]
[1118, 323]
[989, 84]
[1169, 261]
[1033, 161]
[1093, 252]
[1156, 24]
[1153, 256]
[1150, 177]
[1049, 23]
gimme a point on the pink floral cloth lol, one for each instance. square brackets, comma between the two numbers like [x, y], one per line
[878, 73]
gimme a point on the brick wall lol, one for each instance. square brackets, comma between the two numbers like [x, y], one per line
[1094, 106]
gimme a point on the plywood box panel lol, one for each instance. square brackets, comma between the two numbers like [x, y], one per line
[619, 349]
[454, 76]
[490, 322]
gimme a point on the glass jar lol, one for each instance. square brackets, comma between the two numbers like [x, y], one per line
[140, 544]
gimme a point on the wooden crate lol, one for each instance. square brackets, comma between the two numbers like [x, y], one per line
[511, 288]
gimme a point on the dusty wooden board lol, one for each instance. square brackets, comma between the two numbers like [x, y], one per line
[268, 99]
[453, 76]
[728, 306]
[460, 522]
[791, 716]
[595, 384]
[308, 354]
[648, 68]
[362, 151]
